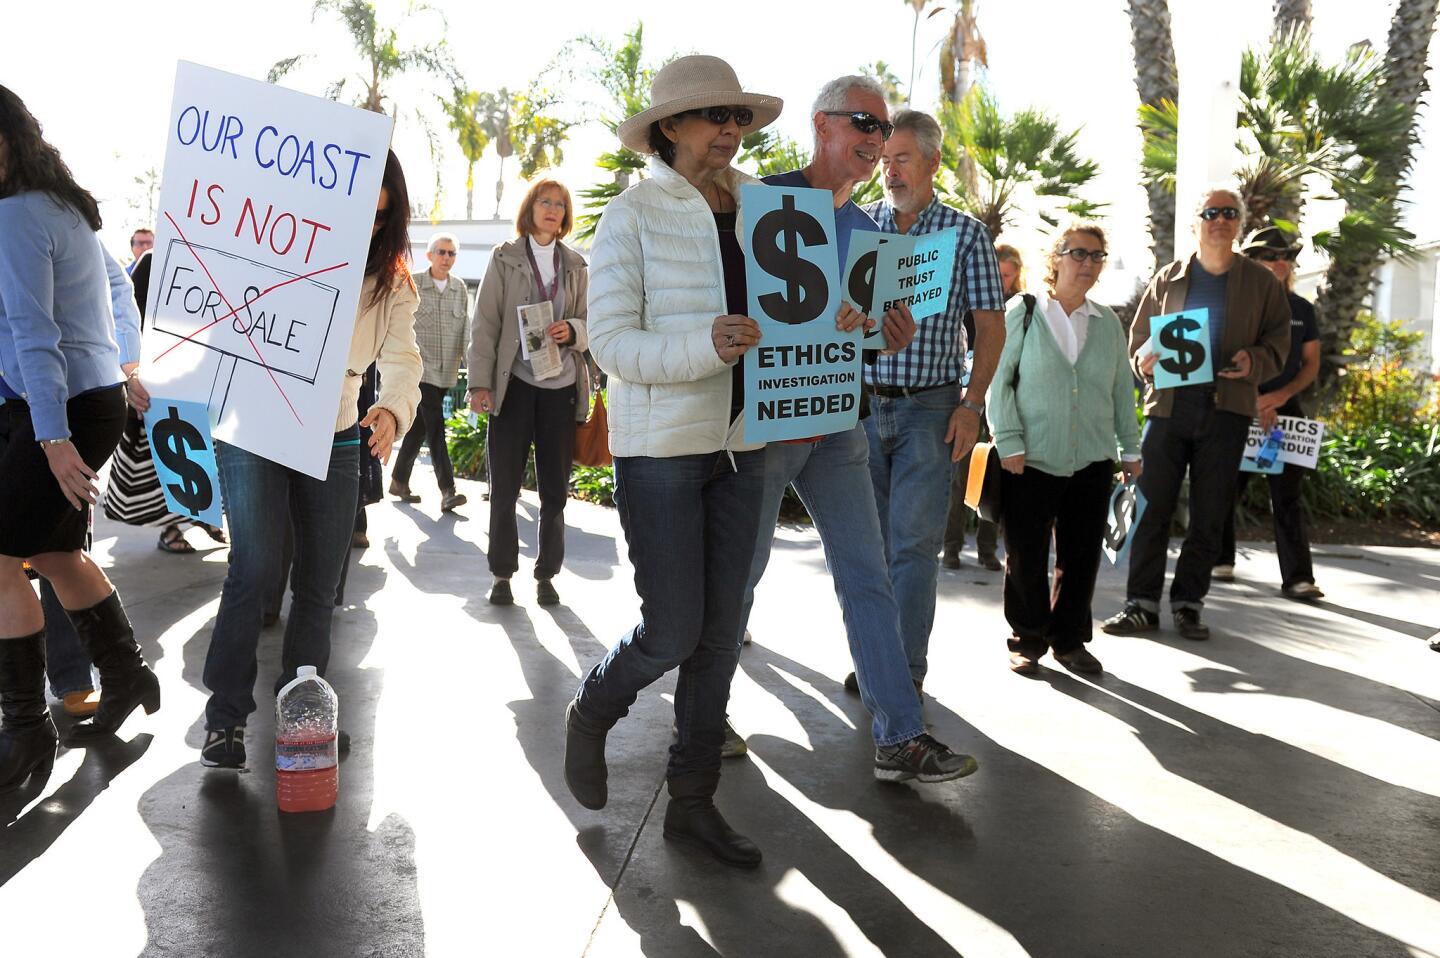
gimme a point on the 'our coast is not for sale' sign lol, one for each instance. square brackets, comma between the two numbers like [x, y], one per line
[804, 378]
[265, 215]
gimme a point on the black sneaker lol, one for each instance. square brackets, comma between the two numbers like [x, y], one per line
[224, 748]
[924, 758]
[500, 593]
[1188, 624]
[1132, 620]
[545, 593]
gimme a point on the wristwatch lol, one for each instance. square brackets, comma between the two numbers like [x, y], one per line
[978, 408]
[53, 442]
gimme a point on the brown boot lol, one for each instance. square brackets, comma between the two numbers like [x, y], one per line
[27, 736]
[126, 682]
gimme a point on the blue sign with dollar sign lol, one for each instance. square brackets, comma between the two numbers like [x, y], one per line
[184, 455]
[1182, 343]
[803, 379]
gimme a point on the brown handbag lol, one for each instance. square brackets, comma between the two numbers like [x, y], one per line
[592, 437]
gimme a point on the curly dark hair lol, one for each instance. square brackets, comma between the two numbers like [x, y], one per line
[390, 248]
[33, 165]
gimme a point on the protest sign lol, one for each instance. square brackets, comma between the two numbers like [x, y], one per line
[184, 455]
[1301, 445]
[1248, 463]
[1182, 342]
[1127, 505]
[803, 379]
[888, 269]
[264, 228]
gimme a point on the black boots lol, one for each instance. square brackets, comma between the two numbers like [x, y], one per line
[585, 772]
[126, 682]
[27, 737]
[693, 819]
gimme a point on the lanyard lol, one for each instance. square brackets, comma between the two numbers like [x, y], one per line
[535, 269]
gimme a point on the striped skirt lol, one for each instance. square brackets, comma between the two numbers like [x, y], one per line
[133, 494]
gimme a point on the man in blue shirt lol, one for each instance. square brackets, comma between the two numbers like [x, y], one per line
[831, 476]
[921, 421]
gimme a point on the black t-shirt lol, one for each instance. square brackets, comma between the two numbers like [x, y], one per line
[1303, 329]
[732, 261]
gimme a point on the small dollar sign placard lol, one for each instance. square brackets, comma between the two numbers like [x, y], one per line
[184, 455]
[1182, 343]
[1127, 505]
[803, 379]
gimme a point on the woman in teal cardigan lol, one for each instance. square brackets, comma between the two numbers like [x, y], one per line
[1057, 427]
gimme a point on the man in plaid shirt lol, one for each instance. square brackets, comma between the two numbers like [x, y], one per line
[921, 421]
[441, 328]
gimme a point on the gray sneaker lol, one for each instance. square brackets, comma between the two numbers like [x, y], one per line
[924, 758]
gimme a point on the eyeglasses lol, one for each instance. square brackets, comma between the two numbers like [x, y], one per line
[550, 204]
[720, 115]
[381, 215]
[1210, 212]
[1081, 255]
[865, 122]
[443, 252]
[1273, 255]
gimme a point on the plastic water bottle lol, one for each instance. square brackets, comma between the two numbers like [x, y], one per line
[1265, 458]
[307, 722]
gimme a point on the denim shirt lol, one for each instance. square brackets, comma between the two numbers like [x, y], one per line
[57, 325]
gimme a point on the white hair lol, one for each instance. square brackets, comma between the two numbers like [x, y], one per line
[1230, 190]
[438, 237]
[835, 94]
[923, 127]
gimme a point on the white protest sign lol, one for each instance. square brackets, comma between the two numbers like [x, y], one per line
[1301, 445]
[265, 215]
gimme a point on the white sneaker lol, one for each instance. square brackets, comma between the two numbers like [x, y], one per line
[1304, 591]
[747, 637]
[1223, 573]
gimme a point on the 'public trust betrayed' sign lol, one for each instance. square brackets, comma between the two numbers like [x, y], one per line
[265, 217]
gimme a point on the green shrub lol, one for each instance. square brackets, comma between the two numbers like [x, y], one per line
[594, 484]
[465, 438]
[1380, 383]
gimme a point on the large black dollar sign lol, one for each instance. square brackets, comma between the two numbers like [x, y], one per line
[1117, 530]
[777, 239]
[173, 438]
[1189, 353]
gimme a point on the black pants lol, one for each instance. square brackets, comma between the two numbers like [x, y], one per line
[429, 428]
[957, 516]
[546, 418]
[1209, 443]
[1034, 504]
[1292, 544]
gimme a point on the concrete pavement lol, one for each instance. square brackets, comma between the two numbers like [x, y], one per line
[1275, 791]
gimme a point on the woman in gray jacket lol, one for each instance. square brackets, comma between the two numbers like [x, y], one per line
[529, 400]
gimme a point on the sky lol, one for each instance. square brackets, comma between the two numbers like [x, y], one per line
[105, 102]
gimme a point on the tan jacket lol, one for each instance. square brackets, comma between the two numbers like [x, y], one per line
[1257, 320]
[384, 334]
[495, 328]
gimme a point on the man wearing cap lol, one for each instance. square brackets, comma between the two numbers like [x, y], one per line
[1200, 428]
[921, 421]
[1273, 249]
[831, 475]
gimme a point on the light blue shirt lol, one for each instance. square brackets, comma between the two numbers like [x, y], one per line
[57, 320]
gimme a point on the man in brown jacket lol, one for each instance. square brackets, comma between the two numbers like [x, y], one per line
[1202, 427]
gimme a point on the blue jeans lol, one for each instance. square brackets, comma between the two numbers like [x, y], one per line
[254, 491]
[910, 468]
[689, 526]
[832, 480]
[65, 661]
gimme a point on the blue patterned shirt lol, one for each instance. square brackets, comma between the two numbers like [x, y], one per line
[937, 355]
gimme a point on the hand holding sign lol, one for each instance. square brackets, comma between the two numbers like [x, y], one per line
[1182, 349]
[733, 335]
[1127, 505]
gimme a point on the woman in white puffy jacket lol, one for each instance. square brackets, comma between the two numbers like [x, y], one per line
[667, 298]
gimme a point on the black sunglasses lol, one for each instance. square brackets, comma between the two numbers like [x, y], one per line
[443, 252]
[1273, 255]
[1210, 212]
[1080, 255]
[720, 115]
[865, 122]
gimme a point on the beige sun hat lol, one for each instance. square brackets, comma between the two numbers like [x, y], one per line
[692, 83]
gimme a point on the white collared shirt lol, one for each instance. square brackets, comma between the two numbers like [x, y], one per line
[1069, 329]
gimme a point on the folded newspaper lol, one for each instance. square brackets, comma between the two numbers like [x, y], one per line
[535, 342]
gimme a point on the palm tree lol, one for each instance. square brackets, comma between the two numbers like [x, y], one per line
[917, 7]
[538, 134]
[1020, 159]
[1291, 15]
[895, 95]
[1158, 84]
[380, 49]
[464, 115]
[1355, 254]
[962, 49]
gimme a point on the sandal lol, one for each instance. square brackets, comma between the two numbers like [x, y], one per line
[216, 533]
[173, 540]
